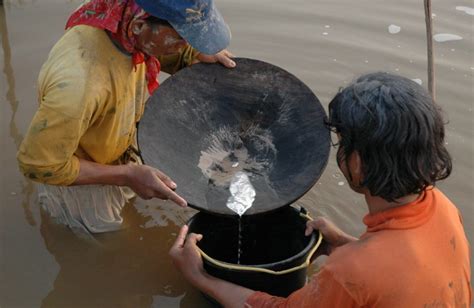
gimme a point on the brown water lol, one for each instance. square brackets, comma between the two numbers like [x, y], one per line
[324, 43]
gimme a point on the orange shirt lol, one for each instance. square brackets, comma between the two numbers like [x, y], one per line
[416, 255]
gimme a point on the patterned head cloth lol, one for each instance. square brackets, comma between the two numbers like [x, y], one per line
[116, 17]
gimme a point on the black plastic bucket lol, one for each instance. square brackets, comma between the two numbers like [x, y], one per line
[275, 253]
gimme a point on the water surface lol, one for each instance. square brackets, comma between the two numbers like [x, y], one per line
[324, 43]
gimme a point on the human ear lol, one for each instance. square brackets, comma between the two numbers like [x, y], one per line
[137, 26]
[355, 167]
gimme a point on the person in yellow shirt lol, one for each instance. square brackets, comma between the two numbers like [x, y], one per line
[81, 144]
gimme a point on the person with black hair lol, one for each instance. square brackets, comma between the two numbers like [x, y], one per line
[414, 253]
[81, 145]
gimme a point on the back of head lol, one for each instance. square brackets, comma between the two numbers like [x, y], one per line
[398, 131]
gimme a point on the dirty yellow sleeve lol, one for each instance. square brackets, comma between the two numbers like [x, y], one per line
[173, 63]
[90, 99]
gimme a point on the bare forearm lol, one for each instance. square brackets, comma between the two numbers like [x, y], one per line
[226, 293]
[95, 173]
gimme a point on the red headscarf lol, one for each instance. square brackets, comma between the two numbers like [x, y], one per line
[116, 16]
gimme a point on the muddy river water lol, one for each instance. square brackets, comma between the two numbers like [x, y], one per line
[324, 43]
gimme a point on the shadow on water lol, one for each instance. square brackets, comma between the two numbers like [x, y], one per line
[27, 187]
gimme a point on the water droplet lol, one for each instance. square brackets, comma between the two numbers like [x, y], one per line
[13, 193]
[336, 175]
[394, 29]
[327, 26]
[234, 165]
[335, 60]
[325, 33]
[366, 61]
[397, 69]
[141, 238]
[340, 183]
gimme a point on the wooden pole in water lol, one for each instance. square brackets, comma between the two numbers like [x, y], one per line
[429, 44]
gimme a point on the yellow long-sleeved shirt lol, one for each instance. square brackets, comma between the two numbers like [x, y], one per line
[90, 98]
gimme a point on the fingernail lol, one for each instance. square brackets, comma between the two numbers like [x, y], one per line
[232, 63]
[173, 185]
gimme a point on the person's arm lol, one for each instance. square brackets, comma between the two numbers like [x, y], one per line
[146, 181]
[223, 57]
[46, 155]
[188, 56]
[172, 63]
[187, 259]
[47, 152]
[333, 237]
[322, 291]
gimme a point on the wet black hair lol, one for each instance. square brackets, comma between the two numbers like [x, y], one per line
[398, 131]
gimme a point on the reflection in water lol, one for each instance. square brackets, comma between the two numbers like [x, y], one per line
[27, 188]
[27, 191]
[8, 71]
[128, 268]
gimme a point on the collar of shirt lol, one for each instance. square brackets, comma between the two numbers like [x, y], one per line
[407, 216]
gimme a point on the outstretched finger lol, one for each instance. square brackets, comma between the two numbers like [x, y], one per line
[226, 60]
[176, 198]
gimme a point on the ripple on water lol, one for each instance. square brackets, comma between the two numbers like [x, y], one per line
[418, 81]
[465, 9]
[445, 37]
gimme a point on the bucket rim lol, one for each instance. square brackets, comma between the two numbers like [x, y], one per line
[312, 246]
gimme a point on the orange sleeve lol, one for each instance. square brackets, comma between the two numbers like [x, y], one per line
[322, 291]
